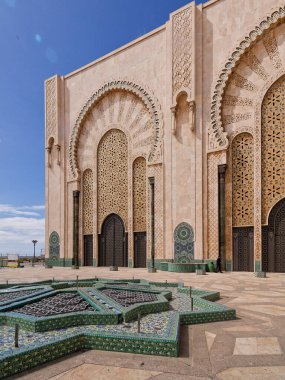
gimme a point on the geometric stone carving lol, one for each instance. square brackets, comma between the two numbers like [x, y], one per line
[54, 246]
[243, 180]
[230, 100]
[214, 160]
[139, 195]
[182, 49]
[270, 44]
[252, 61]
[87, 203]
[217, 137]
[183, 243]
[156, 171]
[230, 119]
[112, 172]
[122, 110]
[51, 107]
[241, 82]
[151, 104]
[273, 147]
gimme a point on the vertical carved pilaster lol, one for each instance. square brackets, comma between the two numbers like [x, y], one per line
[222, 172]
[152, 217]
[75, 261]
[182, 48]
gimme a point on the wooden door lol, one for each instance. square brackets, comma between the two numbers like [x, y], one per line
[88, 250]
[113, 243]
[140, 249]
[243, 249]
[273, 240]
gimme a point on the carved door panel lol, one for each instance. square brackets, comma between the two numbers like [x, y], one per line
[88, 250]
[140, 249]
[113, 242]
[273, 247]
[280, 241]
[265, 258]
[243, 249]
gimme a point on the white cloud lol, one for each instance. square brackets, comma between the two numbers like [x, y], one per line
[18, 228]
[37, 207]
[14, 210]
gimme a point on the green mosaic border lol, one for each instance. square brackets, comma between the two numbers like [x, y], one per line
[168, 345]
[25, 359]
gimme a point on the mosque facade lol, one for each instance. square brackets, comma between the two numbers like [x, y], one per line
[172, 148]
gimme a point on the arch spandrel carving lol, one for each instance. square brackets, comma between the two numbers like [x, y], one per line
[217, 136]
[106, 93]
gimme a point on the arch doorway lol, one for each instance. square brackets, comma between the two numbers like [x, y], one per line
[273, 255]
[113, 243]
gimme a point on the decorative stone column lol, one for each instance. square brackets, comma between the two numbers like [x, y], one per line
[75, 261]
[221, 196]
[152, 225]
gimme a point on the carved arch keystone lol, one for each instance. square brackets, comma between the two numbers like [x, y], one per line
[155, 155]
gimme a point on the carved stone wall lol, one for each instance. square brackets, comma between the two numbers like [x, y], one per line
[240, 92]
[156, 171]
[139, 195]
[273, 147]
[88, 204]
[111, 104]
[238, 70]
[112, 172]
[51, 103]
[122, 110]
[214, 160]
[243, 180]
[182, 59]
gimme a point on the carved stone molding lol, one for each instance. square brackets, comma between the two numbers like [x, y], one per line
[183, 45]
[182, 59]
[51, 107]
[214, 160]
[217, 137]
[155, 155]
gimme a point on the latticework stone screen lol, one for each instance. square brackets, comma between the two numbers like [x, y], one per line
[113, 176]
[243, 180]
[88, 202]
[139, 195]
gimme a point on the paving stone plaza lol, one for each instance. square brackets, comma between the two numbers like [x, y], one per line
[249, 347]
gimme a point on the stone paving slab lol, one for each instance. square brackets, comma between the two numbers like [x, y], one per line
[207, 351]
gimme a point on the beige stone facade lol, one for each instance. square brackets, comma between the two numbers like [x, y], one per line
[202, 91]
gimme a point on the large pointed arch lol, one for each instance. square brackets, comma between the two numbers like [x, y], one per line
[217, 137]
[155, 155]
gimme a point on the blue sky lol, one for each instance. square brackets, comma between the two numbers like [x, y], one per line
[40, 38]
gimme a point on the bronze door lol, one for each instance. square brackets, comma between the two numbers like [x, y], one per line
[140, 249]
[113, 243]
[243, 249]
[273, 248]
[88, 250]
